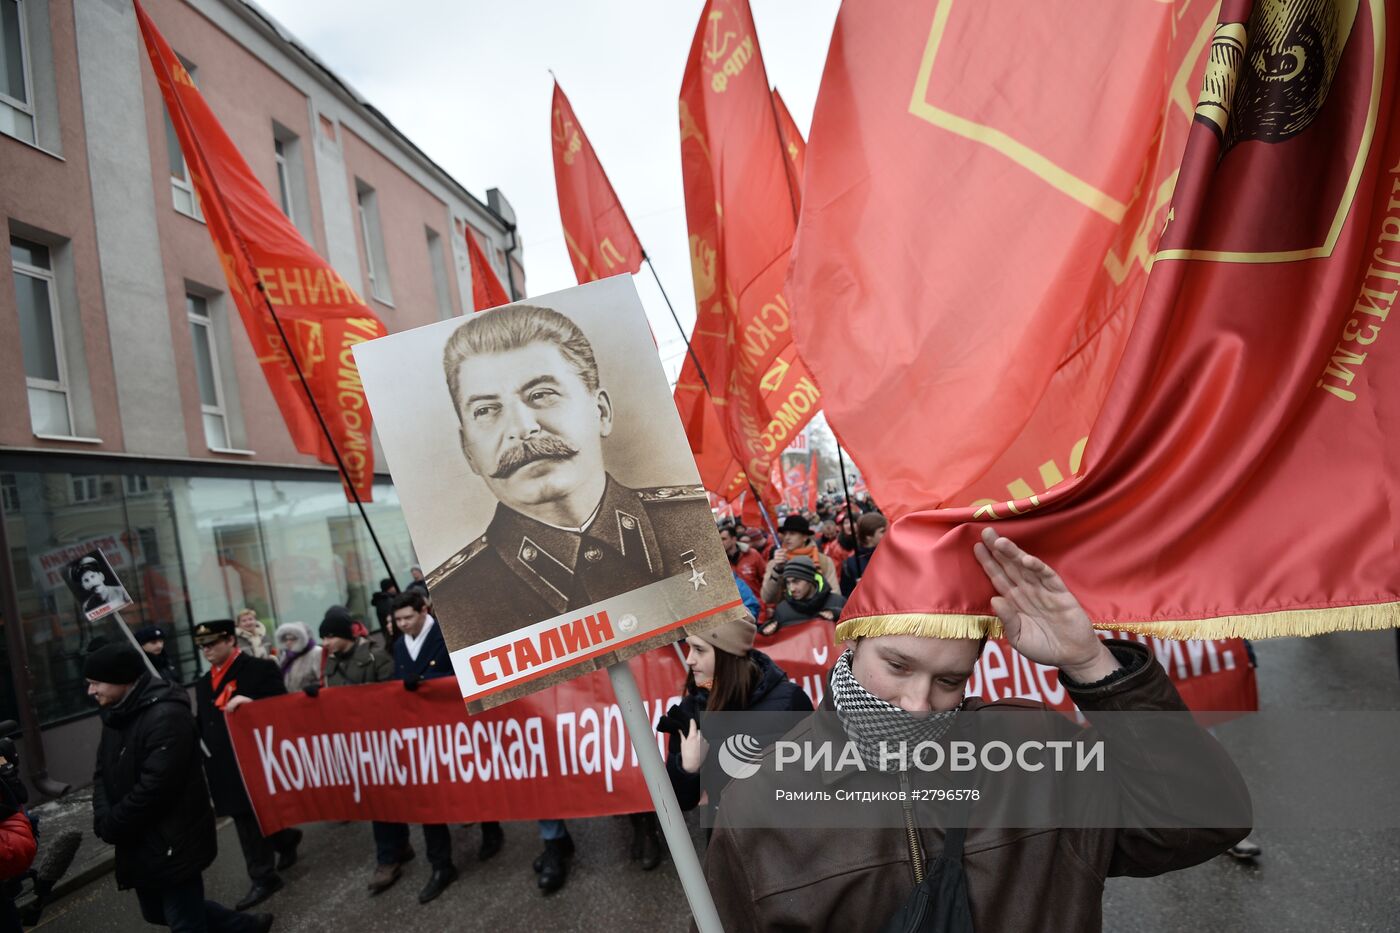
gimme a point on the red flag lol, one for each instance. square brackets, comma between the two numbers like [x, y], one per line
[1236, 476]
[979, 210]
[794, 146]
[263, 254]
[740, 212]
[487, 291]
[596, 229]
[709, 441]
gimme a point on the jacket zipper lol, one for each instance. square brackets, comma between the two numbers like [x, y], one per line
[916, 853]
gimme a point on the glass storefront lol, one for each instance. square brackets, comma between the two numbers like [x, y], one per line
[188, 548]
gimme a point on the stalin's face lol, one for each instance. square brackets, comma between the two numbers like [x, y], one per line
[530, 427]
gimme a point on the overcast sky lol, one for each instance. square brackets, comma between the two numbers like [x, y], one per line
[469, 83]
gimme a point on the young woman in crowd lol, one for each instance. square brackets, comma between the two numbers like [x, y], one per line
[726, 675]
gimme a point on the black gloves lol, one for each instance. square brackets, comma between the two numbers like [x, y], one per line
[675, 720]
[411, 682]
[312, 690]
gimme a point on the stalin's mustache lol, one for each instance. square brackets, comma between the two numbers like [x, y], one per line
[544, 447]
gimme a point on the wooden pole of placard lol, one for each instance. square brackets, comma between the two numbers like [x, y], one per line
[663, 797]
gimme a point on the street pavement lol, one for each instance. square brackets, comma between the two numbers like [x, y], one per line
[1306, 880]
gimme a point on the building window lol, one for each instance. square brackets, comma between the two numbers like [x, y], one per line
[41, 332]
[135, 485]
[206, 364]
[439, 267]
[284, 183]
[181, 184]
[376, 265]
[16, 88]
[86, 487]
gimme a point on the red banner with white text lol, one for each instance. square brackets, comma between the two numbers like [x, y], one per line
[380, 752]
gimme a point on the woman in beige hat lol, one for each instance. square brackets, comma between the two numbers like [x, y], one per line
[726, 675]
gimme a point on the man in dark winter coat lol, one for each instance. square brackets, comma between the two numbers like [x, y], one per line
[383, 603]
[235, 678]
[151, 638]
[809, 596]
[149, 799]
[420, 654]
[350, 662]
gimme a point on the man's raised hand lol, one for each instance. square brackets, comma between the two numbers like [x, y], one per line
[1039, 615]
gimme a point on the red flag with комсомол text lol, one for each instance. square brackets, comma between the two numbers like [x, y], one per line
[269, 265]
[740, 212]
[596, 229]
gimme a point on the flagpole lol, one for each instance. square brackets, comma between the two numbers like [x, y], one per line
[688, 348]
[850, 522]
[325, 429]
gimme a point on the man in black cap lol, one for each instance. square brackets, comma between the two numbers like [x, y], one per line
[808, 597]
[235, 678]
[795, 540]
[151, 638]
[351, 661]
[149, 799]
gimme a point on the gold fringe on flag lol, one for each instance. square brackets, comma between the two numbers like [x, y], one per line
[1283, 623]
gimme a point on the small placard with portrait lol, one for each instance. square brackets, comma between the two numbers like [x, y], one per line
[95, 586]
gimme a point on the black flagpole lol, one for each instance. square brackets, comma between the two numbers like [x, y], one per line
[706, 383]
[688, 349]
[325, 429]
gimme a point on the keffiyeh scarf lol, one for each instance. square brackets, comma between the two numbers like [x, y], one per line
[870, 722]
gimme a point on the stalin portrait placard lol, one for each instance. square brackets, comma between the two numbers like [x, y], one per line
[548, 485]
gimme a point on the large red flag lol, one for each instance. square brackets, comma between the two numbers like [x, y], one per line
[487, 291]
[599, 235]
[794, 146]
[1235, 477]
[263, 254]
[979, 209]
[741, 215]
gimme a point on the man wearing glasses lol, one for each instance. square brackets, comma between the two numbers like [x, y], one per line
[235, 678]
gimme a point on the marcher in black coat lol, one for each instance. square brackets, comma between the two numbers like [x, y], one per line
[151, 638]
[235, 678]
[420, 654]
[727, 675]
[149, 798]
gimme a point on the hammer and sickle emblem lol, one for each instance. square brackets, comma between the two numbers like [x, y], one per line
[717, 44]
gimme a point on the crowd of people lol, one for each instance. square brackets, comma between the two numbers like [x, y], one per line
[156, 794]
[153, 746]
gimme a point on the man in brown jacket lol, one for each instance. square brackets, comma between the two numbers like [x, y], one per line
[1016, 879]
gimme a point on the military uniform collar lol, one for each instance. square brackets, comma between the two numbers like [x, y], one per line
[547, 557]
